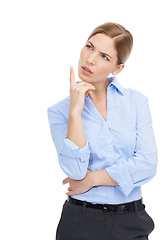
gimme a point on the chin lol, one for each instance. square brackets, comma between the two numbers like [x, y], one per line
[82, 76]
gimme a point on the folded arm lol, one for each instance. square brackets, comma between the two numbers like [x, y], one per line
[141, 166]
[73, 158]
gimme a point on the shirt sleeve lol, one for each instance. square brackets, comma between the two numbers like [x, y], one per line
[72, 159]
[141, 167]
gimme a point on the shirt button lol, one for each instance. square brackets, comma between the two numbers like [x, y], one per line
[109, 140]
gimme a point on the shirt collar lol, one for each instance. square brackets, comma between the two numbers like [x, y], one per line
[114, 81]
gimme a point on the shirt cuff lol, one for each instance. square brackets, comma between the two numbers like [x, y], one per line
[70, 149]
[120, 174]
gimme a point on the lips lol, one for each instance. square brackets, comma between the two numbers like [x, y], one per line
[87, 69]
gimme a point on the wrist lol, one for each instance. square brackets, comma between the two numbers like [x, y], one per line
[101, 178]
[92, 178]
[74, 113]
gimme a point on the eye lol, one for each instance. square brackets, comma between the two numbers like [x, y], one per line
[104, 56]
[88, 46]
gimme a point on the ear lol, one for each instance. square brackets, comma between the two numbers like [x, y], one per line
[118, 69]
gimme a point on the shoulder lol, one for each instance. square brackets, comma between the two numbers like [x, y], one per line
[60, 108]
[61, 104]
[137, 96]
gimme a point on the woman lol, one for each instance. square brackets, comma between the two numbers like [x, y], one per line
[105, 144]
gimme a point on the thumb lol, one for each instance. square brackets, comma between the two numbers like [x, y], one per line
[90, 93]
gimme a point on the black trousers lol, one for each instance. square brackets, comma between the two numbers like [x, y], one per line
[83, 223]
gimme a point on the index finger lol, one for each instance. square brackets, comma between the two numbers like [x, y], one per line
[72, 77]
[66, 180]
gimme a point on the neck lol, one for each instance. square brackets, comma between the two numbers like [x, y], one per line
[100, 92]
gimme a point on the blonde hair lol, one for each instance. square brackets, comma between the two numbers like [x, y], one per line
[123, 39]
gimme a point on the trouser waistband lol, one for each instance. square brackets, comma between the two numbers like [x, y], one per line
[130, 206]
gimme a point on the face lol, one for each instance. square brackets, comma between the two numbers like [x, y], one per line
[98, 58]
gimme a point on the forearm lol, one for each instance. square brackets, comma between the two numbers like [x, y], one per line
[102, 178]
[75, 131]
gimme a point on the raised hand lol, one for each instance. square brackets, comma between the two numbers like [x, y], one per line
[78, 92]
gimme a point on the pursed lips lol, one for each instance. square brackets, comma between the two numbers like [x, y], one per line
[87, 69]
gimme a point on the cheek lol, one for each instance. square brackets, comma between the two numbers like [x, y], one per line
[104, 68]
[82, 54]
[80, 59]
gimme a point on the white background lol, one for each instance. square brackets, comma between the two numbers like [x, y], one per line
[39, 42]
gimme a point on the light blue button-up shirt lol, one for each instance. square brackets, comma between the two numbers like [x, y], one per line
[124, 144]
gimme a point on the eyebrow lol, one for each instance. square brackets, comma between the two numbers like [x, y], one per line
[100, 52]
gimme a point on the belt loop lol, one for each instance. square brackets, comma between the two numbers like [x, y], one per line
[84, 205]
[135, 204]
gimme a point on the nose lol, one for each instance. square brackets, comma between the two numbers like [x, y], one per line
[91, 59]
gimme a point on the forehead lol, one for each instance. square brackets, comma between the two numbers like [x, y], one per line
[103, 43]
